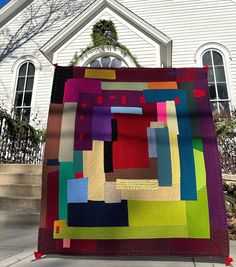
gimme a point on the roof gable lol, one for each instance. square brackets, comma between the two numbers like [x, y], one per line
[98, 6]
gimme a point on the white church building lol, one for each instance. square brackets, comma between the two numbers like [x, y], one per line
[35, 34]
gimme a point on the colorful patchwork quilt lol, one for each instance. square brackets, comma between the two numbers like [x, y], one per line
[131, 165]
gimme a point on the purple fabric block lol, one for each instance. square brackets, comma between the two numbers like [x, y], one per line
[86, 103]
[113, 98]
[214, 181]
[83, 128]
[101, 129]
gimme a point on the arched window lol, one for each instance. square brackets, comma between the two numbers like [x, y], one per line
[217, 81]
[107, 61]
[24, 89]
[106, 58]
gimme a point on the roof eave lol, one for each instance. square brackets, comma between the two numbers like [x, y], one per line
[9, 10]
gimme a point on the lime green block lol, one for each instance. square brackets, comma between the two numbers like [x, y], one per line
[148, 219]
[134, 232]
[156, 213]
[198, 211]
[199, 163]
[194, 214]
[66, 172]
[198, 216]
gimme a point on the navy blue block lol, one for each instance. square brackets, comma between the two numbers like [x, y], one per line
[53, 162]
[98, 213]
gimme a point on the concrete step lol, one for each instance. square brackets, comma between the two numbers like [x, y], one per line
[20, 190]
[21, 168]
[19, 203]
[20, 178]
[19, 218]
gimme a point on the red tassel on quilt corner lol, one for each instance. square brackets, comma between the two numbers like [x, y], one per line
[228, 261]
[38, 255]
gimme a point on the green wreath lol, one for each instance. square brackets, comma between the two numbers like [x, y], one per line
[104, 37]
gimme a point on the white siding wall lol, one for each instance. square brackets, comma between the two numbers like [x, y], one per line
[43, 79]
[189, 23]
[140, 46]
[42, 90]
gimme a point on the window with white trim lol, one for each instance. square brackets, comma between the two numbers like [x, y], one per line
[107, 61]
[217, 81]
[24, 89]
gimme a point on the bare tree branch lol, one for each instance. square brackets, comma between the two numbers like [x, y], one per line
[39, 17]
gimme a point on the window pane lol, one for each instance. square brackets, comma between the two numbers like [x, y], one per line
[105, 61]
[210, 75]
[95, 64]
[20, 84]
[222, 90]
[22, 71]
[116, 63]
[29, 83]
[214, 107]
[31, 69]
[27, 99]
[224, 106]
[212, 91]
[206, 59]
[218, 60]
[25, 114]
[18, 99]
[220, 74]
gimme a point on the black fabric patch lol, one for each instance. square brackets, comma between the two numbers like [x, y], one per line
[114, 129]
[61, 75]
[108, 165]
[98, 214]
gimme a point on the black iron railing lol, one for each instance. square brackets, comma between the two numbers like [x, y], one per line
[227, 149]
[20, 142]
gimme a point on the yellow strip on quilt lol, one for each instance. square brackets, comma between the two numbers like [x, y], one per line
[137, 184]
[100, 74]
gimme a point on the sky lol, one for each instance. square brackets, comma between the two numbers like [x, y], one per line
[3, 2]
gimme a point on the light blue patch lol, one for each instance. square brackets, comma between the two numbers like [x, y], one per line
[152, 145]
[127, 110]
[77, 190]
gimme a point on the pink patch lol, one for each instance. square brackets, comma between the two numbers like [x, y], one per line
[161, 112]
[66, 243]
